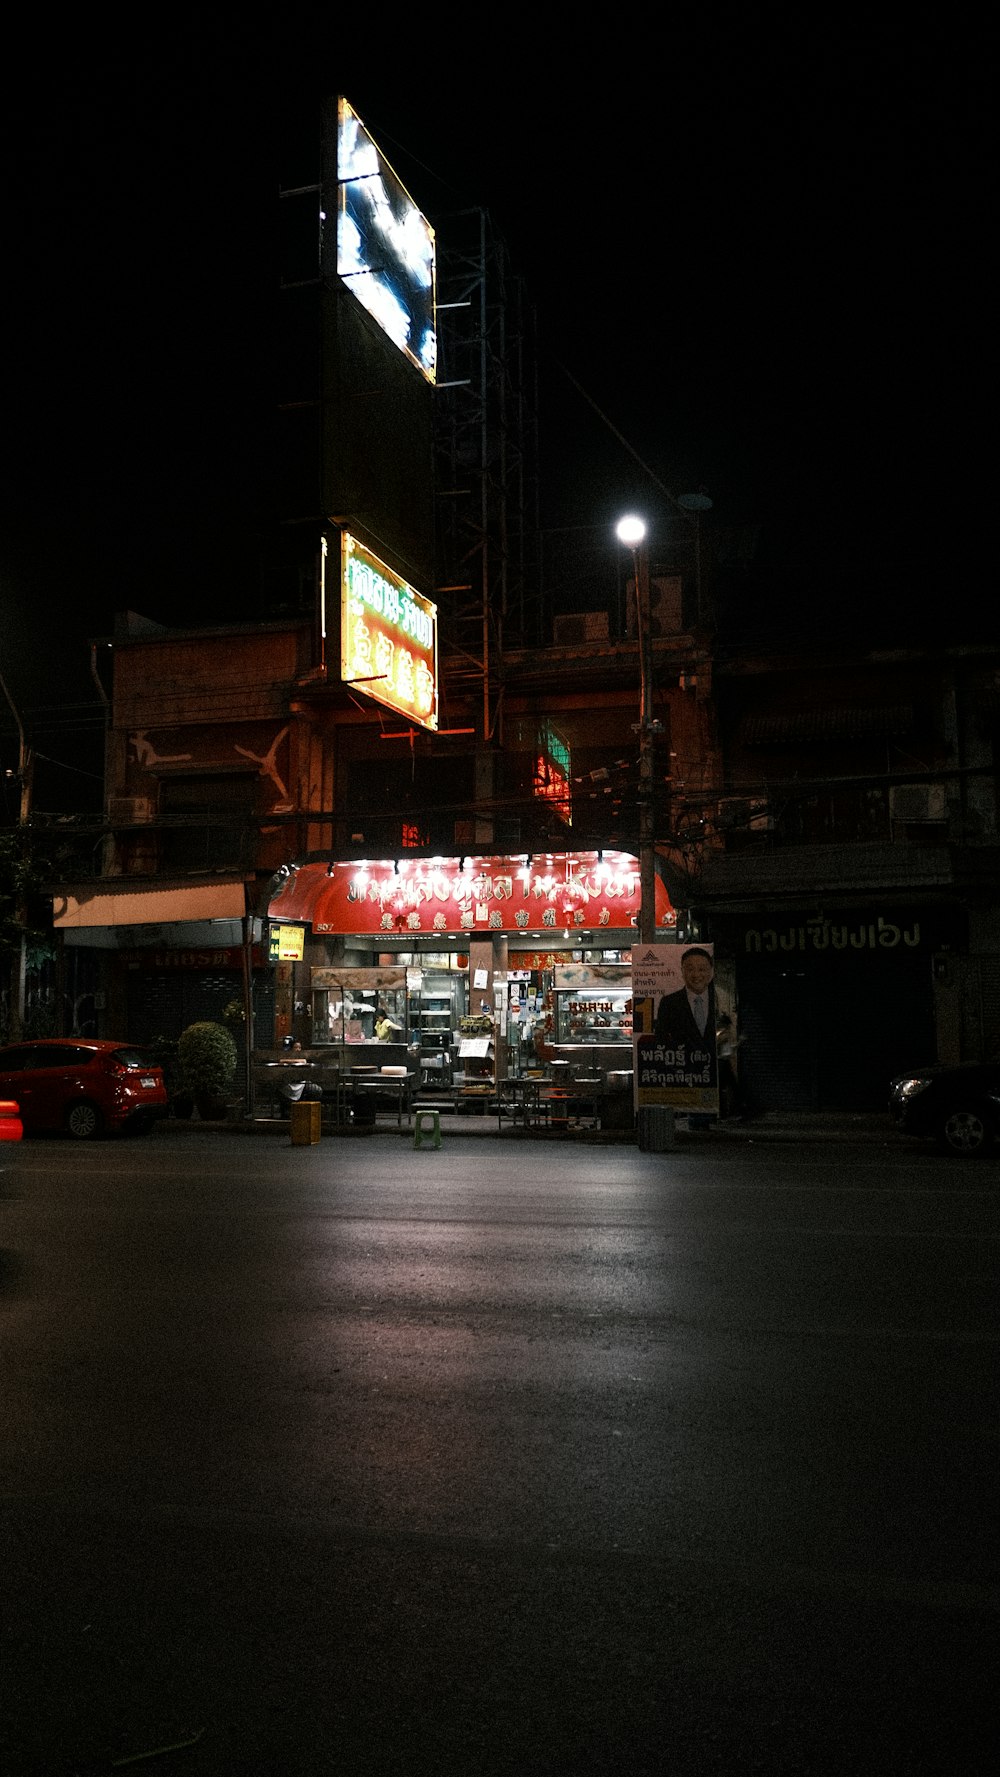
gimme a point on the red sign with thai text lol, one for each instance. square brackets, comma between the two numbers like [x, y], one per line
[562, 892]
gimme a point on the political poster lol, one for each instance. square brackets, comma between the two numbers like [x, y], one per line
[674, 1027]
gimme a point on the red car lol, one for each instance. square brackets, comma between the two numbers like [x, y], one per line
[10, 1123]
[82, 1085]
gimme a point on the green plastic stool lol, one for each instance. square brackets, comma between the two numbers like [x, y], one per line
[426, 1123]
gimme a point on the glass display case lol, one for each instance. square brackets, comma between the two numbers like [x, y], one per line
[600, 1016]
[436, 1006]
[355, 1006]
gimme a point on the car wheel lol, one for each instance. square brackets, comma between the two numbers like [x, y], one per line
[967, 1132]
[84, 1120]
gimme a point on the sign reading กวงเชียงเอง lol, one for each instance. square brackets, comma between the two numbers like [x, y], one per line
[674, 1025]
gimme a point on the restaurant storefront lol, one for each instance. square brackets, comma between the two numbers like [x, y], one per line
[473, 968]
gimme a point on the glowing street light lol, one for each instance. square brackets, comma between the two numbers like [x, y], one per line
[631, 532]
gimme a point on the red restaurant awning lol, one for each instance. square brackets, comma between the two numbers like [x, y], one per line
[559, 891]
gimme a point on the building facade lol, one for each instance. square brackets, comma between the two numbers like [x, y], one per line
[852, 872]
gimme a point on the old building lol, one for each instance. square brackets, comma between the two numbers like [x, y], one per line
[851, 869]
[425, 687]
[241, 768]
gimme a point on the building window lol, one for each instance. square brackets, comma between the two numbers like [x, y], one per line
[208, 822]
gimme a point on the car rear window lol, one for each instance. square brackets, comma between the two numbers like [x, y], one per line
[132, 1058]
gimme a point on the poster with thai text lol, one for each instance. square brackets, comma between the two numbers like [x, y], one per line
[674, 1026]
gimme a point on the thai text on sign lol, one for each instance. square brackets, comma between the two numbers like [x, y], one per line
[388, 636]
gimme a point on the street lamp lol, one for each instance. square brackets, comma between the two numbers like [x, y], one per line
[631, 531]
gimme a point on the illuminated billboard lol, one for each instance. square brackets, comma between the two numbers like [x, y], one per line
[385, 247]
[388, 636]
[552, 772]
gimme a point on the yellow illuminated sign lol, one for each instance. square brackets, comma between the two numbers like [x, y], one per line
[287, 943]
[388, 636]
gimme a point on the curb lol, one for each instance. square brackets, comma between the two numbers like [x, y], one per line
[869, 1131]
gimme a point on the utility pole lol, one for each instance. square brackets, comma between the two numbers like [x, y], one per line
[632, 532]
[647, 729]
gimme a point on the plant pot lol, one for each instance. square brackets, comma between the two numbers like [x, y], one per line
[212, 1107]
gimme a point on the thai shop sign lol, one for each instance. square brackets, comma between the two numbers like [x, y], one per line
[674, 1015]
[287, 944]
[853, 932]
[161, 959]
[556, 892]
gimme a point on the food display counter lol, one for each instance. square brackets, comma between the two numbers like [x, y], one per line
[583, 1059]
[348, 1004]
[593, 1006]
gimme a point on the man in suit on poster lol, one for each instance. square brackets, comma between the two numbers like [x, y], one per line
[688, 1016]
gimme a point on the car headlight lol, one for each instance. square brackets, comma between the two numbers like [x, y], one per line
[909, 1088]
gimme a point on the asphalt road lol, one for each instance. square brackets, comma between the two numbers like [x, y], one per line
[508, 1458]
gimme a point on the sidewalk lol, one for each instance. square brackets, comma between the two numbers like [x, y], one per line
[769, 1126]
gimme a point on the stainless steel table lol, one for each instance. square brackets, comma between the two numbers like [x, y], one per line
[518, 1099]
[392, 1086]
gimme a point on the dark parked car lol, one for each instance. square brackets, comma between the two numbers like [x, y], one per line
[958, 1106]
[82, 1085]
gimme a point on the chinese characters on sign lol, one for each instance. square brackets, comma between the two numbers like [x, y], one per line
[558, 892]
[388, 636]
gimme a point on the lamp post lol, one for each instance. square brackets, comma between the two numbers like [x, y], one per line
[631, 531]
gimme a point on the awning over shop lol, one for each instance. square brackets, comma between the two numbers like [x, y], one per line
[463, 896]
[132, 904]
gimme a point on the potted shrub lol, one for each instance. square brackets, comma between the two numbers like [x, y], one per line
[163, 1051]
[207, 1056]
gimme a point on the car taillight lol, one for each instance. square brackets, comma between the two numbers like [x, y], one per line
[10, 1120]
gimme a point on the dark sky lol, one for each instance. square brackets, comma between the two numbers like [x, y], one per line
[761, 250]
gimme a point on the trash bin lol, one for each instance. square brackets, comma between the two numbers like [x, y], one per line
[617, 1110]
[363, 1109]
[304, 1116]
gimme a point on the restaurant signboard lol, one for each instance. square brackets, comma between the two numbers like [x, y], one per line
[564, 892]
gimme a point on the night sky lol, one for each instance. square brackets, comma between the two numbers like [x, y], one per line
[760, 252]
